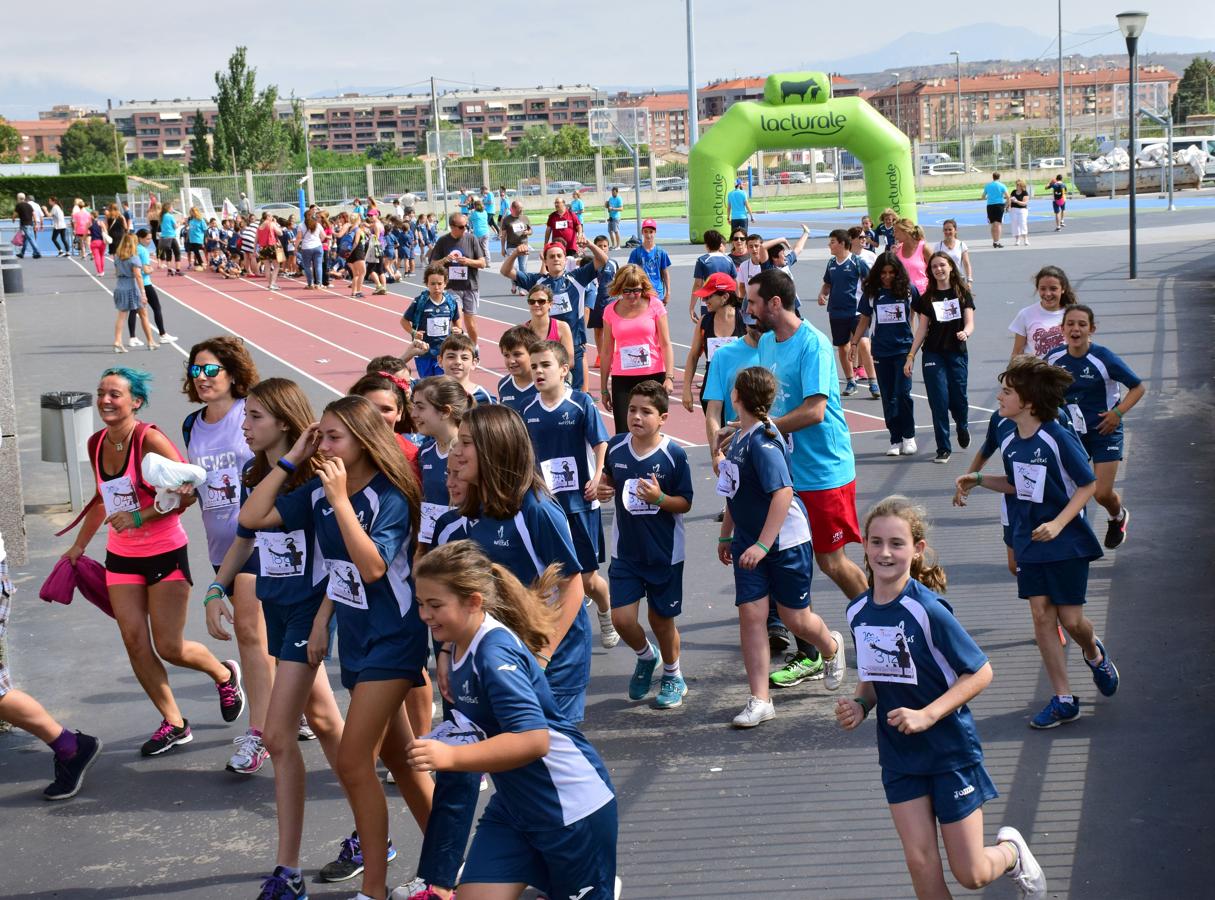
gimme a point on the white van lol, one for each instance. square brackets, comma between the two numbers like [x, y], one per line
[929, 159]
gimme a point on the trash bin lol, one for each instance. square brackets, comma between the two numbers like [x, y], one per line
[10, 272]
[66, 415]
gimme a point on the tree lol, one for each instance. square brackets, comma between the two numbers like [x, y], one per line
[154, 168]
[247, 125]
[200, 147]
[90, 145]
[10, 142]
[1196, 90]
[296, 131]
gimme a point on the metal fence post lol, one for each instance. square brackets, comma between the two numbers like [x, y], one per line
[485, 178]
[916, 154]
[1017, 151]
[249, 185]
[599, 181]
[543, 180]
[310, 187]
[430, 183]
[370, 180]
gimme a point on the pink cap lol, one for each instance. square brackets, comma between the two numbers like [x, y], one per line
[650, 223]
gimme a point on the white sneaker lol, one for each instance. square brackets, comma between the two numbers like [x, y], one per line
[168, 338]
[607, 632]
[135, 342]
[1026, 874]
[405, 891]
[834, 670]
[756, 711]
[909, 447]
[895, 450]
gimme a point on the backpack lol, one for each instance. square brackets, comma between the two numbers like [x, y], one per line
[346, 245]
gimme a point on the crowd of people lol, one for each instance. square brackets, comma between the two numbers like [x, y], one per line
[422, 502]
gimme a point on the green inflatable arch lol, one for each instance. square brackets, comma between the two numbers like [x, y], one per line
[798, 111]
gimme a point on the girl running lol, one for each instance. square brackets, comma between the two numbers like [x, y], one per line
[552, 821]
[1096, 409]
[363, 505]
[886, 301]
[920, 668]
[769, 547]
[147, 565]
[947, 320]
[1038, 329]
[439, 404]
[955, 248]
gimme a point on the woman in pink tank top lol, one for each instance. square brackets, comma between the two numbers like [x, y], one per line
[147, 568]
[913, 252]
[539, 306]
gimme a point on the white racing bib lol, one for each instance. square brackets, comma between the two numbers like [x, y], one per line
[637, 357]
[438, 327]
[118, 495]
[713, 344]
[221, 490]
[346, 584]
[727, 478]
[560, 473]
[282, 554]
[891, 314]
[947, 310]
[518, 227]
[430, 515]
[634, 504]
[1078, 423]
[561, 304]
[457, 273]
[1030, 481]
[883, 654]
[560, 225]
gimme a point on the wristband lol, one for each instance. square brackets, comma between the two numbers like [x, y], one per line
[864, 705]
[1116, 411]
[287, 466]
[725, 540]
[978, 478]
[547, 659]
[661, 497]
[138, 517]
[762, 547]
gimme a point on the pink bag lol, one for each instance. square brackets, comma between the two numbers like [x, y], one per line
[88, 575]
[19, 239]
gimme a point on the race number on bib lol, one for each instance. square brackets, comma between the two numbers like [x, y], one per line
[518, 227]
[119, 495]
[637, 357]
[1030, 480]
[560, 473]
[727, 478]
[1078, 423]
[883, 654]
[947, 310]
[282, 554]
[633, 502]
[713, 344]
[221, 490]
[891, 314]
[439, 327]
[561, 225]
[457, 273]
[430, 515]
[561, 304]
[346, 584]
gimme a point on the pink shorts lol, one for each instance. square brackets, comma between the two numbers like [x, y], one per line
[116, 578]
[173, 565]
[832, 514]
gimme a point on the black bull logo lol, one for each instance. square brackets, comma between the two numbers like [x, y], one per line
[807, 90]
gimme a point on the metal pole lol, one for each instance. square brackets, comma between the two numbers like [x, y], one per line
[898, 106]
[637, 187]
[957, 58]
[434, 115]
[1168, 136]
[1062, 97]
[839, 180]
[693, 101]
[1132, 49]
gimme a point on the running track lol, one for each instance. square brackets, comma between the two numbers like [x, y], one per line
[329, 336]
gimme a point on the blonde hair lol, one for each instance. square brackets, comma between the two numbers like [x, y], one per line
[911, 228]
[464, 569]
[924, 566]
[128, 246]
[630, 277]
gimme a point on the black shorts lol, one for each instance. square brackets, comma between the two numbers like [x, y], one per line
[595, 320]
[375, 268]
[995, 212]
[154, 569]
[841, 330]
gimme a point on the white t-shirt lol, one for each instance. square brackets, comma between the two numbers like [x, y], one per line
[868, 256]
[57, 218]
[959, 247]
[747, 270]
[310, 240]
[1041, 328]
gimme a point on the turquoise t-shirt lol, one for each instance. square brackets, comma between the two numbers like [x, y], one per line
[168, 225]
[615, 204]
[478, 221]
[728, 361]
[737, 199]
[804, 366]
[995, 192]
[145, 260]
[576, 207]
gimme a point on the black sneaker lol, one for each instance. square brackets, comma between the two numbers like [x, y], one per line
[963, 437]
[1115, 532]
[283, 886]
[942, 456]
[69, 774]
[350, 860]
[231, 693]
[779, 639]
[166, 737]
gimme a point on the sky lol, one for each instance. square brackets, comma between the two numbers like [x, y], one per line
[641, 43]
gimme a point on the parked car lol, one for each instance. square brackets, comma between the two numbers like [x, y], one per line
[792, 177]
[1049, 162]
[672, 184]
[277, 209]
[947, 168]
[564, 187]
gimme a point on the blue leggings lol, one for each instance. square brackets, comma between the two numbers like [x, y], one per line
[945, 384]
[897, 408]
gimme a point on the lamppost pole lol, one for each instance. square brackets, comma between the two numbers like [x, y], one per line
[1132, 24]
[1062, 97]
[957, 58]
[693, 101]
[898, 108]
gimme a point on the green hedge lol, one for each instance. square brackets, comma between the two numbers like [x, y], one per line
[66, 187]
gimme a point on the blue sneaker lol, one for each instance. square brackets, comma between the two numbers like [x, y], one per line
[281, 886]
[671, 691]
[849, 389]
[874, 392]
[643, 676]
[1056, 713]
[1105, 673]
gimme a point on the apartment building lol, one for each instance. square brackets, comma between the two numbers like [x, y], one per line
[40, 136]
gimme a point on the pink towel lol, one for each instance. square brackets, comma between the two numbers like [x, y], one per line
[88, 575]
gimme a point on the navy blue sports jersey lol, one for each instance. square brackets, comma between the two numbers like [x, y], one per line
[649, 538]
[755, 467]
[435, 501]
[287, 564]
[846, 280]
[564, 438]
[712, 263]
[433, 321]
[890, 317]
[1094, 388]
[569, 290]
[510, 394]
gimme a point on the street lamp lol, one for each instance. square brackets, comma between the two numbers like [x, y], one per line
[898, 109]
[957, 58]
[1131, 24]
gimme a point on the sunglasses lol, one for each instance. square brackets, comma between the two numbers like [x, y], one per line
[210, 370]
[636, 292]
[458, 227]
[538, 300]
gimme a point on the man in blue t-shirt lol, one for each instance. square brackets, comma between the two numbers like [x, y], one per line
[740, 208]
[653, 259]
[614, 205]
[997, 198]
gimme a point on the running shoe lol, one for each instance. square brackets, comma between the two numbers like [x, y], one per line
[1115, 532]
[282, 886]
[836, 668]
[306, 733]
[250, 754]
[607, 631]
[797, 668]
[1025, 873]
[350, 860]
[849, 389]
[874, 392]
[909, 447]
[755, 712]
[895, 449]
[860, 374]
[415, 890]
[69, 773]
[963, 437]
[135, 342]
[166, 737]
[942, 457]
[671, 691]
[167, 338]
[643, 675]
[779, 638]
[1056, 713]
[1105, 673]
[231, 693]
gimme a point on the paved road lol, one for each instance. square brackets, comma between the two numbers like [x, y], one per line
[1117, 806]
